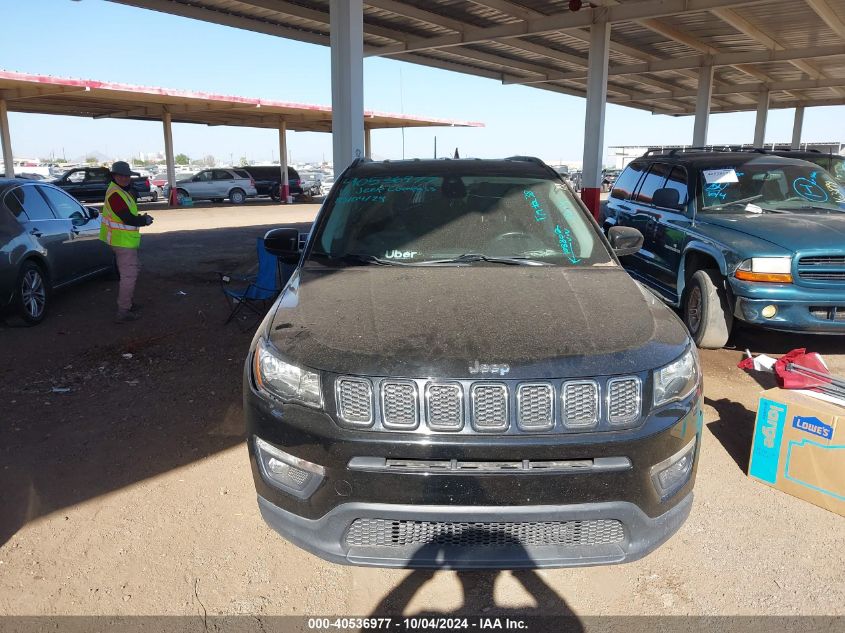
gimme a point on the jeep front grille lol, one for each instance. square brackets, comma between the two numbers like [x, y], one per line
[403, 533]
[444, 406]
[355, 401]
[623, 400]
[489, 407]
[580, 403]
[466, 406]
[535, 406]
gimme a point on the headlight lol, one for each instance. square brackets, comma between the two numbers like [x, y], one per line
[678, 379]
[770, 269]
[284, 380]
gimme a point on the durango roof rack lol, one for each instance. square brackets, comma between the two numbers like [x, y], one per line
[706, 148]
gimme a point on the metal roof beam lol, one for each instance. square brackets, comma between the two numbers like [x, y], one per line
[14, 94]
[418, 14]
[800, 84]
[826, 13]
[510, 8]
[562, 21]
[696, 61]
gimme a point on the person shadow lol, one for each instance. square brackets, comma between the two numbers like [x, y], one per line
[478, 585]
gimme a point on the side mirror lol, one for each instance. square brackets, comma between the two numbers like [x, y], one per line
[624, 240]
[284, 244]
[666, 198]
[92, 212]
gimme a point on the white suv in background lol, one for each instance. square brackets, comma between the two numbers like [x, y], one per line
[217, 184]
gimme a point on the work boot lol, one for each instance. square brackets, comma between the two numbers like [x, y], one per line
[125, 317]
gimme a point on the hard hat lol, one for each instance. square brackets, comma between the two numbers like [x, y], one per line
[121, 168]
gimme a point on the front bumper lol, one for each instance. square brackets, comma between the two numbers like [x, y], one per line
[799, 308]
[327, 536]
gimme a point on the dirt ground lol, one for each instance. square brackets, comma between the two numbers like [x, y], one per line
[125, 485]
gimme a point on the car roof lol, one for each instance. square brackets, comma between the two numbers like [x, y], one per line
[710, 159]
[520, 166]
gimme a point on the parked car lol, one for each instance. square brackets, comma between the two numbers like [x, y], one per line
[48, 240]
[496, 390]
[736, 235]
[575, 178]
[834, 164]
[608, 178]
[267, 178]
[89, 184]
[216, 184]
[311, 184]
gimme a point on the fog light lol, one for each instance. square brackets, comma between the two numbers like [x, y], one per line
[671, 474]
[769, 311]
[286, 472]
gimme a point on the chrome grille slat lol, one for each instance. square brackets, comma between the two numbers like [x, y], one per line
[489, 406]
[535, 406]
[624, 396]
[399, 404]
[580, 403]
[822, 268]
[444, 406]
[354, 400]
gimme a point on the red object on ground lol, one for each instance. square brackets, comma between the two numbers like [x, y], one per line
[592, 198]
[788, 379]
[174, 198]
[285, 193]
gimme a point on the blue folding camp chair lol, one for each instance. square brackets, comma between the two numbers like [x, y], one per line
[260, 288]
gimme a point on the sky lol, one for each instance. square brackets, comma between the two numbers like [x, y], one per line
[173, 52]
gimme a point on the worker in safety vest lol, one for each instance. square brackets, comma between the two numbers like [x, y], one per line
[119, 228]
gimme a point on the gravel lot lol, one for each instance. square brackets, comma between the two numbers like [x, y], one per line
[131, 493]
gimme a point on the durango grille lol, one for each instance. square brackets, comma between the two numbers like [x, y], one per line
[822, 268]
[402, 533]
[489, 406]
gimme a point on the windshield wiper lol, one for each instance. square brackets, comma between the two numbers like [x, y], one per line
[468, 258]
[361, 258]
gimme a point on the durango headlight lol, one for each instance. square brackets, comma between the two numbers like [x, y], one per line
[283, 380]
[767, 269]
[678, 379]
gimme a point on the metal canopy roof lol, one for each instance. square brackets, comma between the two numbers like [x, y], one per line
[793, 48]
[76, 97]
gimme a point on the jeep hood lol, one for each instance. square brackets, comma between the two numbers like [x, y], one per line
[794, 231]
[544, 322]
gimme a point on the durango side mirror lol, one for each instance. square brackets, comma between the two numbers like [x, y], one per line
[284, 244]
[624, 240]
[666, 198]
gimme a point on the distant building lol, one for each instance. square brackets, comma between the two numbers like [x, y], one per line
[621, 155]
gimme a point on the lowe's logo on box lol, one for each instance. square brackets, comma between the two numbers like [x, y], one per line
[813, 425]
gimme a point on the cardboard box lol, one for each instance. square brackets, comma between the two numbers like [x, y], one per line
[799, 447]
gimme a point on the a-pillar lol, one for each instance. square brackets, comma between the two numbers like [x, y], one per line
[762, 115]
[347, 42]
[702, 106]
[168, 158]
[797, 126]
[284, 187]
[6, 137]
[594, 119]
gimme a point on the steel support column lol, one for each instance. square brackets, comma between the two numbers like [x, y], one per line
[702, 106]
[6, 137]
[762, 115]
[368, 143]
[594, 119]
[347, 43]
[797, 127]
[170, 162]
[284, 186]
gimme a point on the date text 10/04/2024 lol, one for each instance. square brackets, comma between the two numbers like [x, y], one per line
[418, 624]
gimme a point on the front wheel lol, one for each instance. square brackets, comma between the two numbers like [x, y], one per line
[274, 193]
[155, 196]
[706, 310]
[32, 293]
[181, 196]
[237, 196]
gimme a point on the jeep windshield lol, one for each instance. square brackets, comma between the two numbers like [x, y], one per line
[760, 187]
[456, 219]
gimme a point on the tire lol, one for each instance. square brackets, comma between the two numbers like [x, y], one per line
[32, 293]
[706, 311]
[274, 193]
[181, 194]
[154, 196]
[237, 196]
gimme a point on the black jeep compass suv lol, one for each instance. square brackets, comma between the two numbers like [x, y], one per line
[460, 374]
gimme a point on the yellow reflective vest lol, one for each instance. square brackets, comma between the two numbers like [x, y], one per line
[112, 229]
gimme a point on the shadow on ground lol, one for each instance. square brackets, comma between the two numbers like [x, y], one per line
[90, 406]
